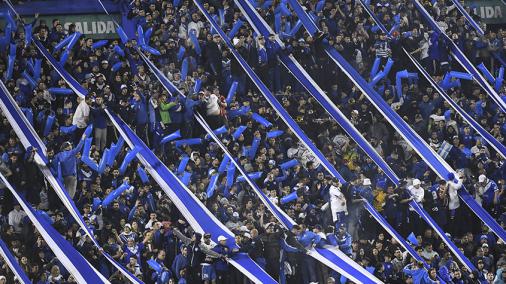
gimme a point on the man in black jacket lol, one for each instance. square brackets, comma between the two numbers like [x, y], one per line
[197, 253]
[213, 58]
[270, 240]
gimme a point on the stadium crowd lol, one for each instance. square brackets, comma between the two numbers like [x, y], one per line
[143, 223]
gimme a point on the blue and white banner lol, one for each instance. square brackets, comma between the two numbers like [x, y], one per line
[21, 125]
[274, 102]
[383, 222]
[332, 256]
[427, 218]
[244, 264]
[74, 262]
[462, 59]
[480, 212]
[30, 140]
[13, 263]
[498, 146]
[73, 84]
[198, 216]
[371, 14]
[468, 17]
[438, 165]
[282, 217]
[262, 28]
[379, 218]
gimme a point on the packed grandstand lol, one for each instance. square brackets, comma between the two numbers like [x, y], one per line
[258, 141]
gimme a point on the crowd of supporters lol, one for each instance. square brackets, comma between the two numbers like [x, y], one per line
[143, 223]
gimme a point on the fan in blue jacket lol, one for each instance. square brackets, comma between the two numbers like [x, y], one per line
[67, 161]
[180, 262]
[344, 240]
[221, 265]
[418, 273]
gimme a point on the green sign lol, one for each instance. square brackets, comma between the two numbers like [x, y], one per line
[490, 11]
[95, 26]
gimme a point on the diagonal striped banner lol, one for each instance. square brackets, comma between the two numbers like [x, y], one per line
[262, 28]
[461, 58]
[437, 164]
[30, 139]
[498, 146]
[13, 263]
[197, 215]
[74, 262]
[73, 84]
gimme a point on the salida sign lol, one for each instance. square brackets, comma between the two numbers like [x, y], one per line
[92, 28]
[490, 11]
[93, 25]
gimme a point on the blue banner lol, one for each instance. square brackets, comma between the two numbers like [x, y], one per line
[13, 263]
[74, 85]
[371, 14]
[468, 17]
[267, 94]
[333, 263]
[349, 269]
[481, 213]
[438, 165]
[193, 210]
[29, 139]
[76, 264]
[24, 131]
[498, 146]
[261, 27]
[426, 217]
[461, 58]
[409, 135]
[379, 218]
[278, 213]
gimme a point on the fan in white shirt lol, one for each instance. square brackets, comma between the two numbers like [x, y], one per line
[212, 105]
[417, 192]
[80, 118]
[453, 187]
[16, 218]
[337, 202]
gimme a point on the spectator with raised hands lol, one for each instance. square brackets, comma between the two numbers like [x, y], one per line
[66, 159]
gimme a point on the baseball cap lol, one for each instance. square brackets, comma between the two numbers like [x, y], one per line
[482, 178]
